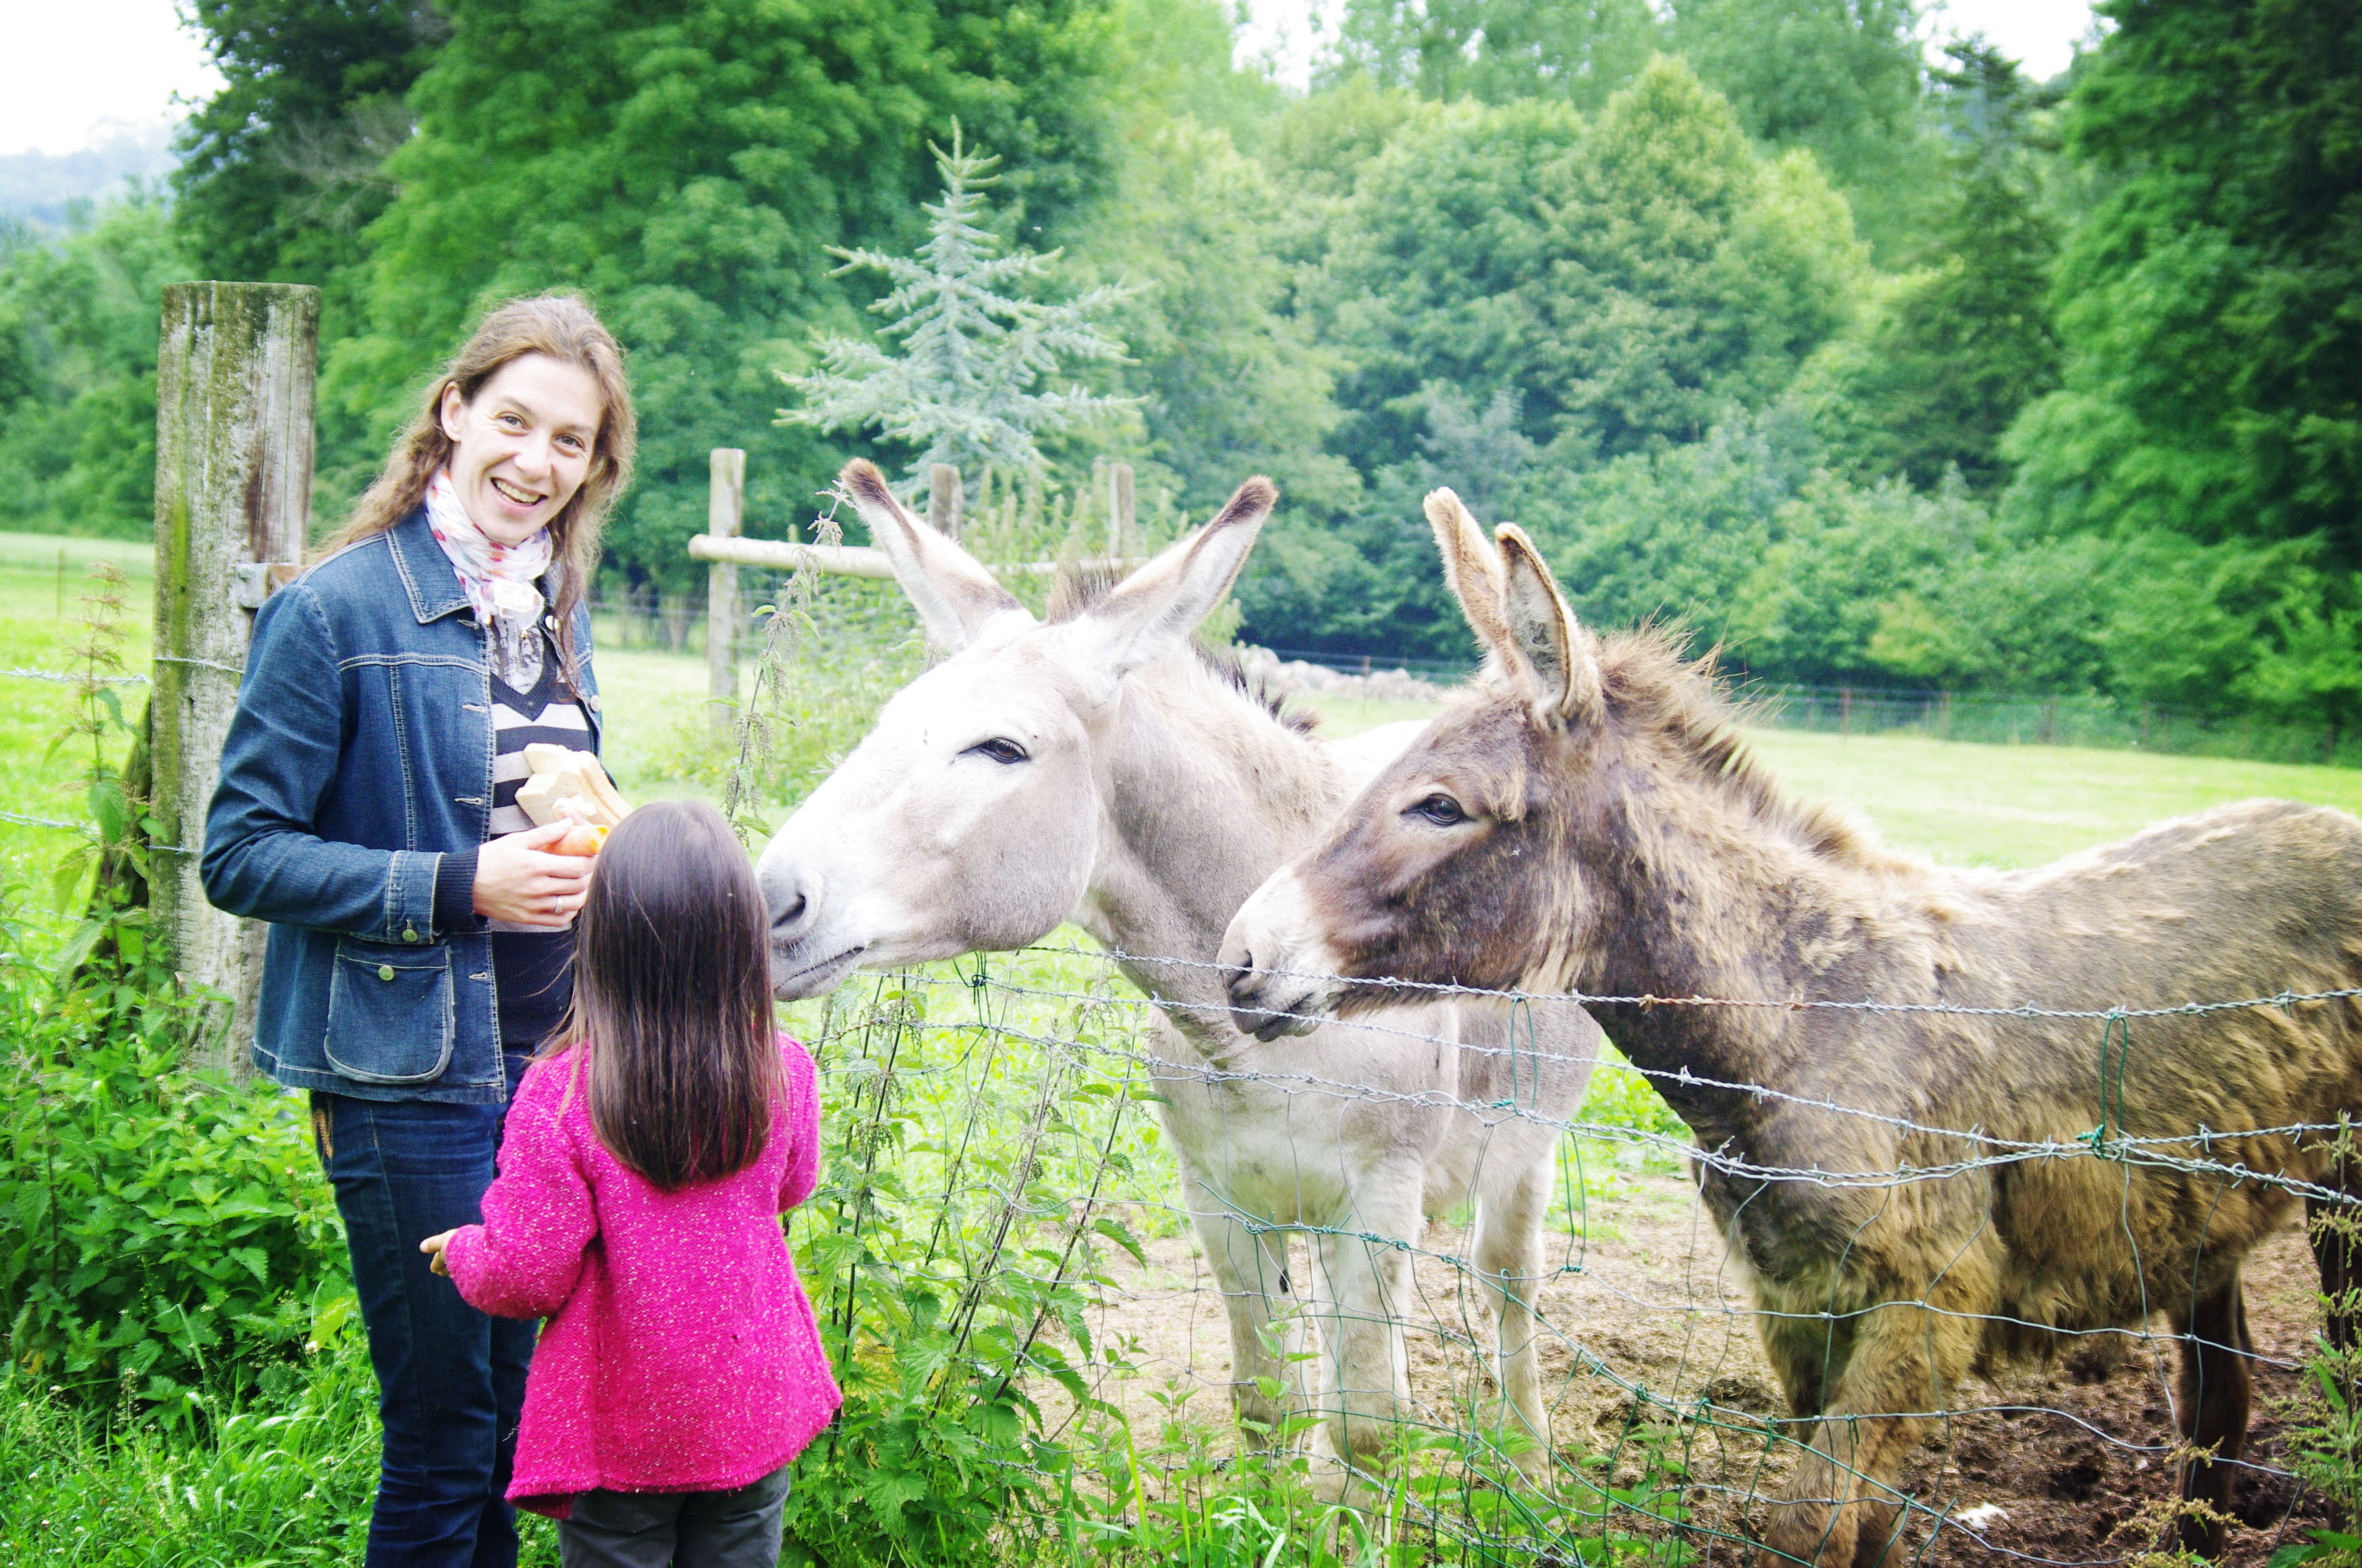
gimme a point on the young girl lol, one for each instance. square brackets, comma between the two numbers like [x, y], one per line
[647, 1157]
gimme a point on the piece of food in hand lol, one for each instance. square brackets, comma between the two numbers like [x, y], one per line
[563, 778]
[582, 838]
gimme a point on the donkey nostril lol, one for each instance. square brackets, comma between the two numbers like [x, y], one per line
[791, 916]
[1243, 977]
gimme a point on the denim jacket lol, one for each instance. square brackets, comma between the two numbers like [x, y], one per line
[360, 755]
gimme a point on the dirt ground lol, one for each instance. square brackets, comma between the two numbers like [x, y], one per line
[2071, 1456]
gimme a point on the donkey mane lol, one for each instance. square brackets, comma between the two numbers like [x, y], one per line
[1657, 692]
[1081, 586]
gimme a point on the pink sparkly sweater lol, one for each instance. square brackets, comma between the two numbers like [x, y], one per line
[681, 1354]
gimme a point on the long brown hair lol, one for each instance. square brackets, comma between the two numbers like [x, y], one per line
[672, 999]
[563, 327]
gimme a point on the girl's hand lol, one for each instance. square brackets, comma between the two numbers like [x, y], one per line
[519, 878]
[433, 1247]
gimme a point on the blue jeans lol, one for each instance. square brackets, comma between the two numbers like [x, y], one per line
[451, 1379]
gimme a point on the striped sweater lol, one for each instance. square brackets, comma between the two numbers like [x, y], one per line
[532, 965]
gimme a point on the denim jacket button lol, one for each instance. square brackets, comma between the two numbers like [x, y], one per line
[385, 971]
[410, 934]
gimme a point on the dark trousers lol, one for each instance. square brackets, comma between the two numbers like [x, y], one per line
[682, 1529]
[451, 1379]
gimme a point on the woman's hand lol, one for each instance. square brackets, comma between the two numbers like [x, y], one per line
[520, 880]
[433, 1247]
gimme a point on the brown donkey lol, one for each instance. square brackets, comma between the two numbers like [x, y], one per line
[1913, 1195]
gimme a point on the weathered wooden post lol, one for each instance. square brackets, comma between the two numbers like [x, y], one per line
[233, 403]
[943, 500]
[1119, 534]
[725, 515]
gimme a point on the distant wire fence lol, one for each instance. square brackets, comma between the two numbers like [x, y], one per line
[989, 1143]
[64, 678]
[2097, 722]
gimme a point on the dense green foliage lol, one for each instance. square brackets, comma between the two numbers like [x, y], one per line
[1966, 341]
[1877, 372]
[1840, 78]
[166, 1235]
[2208, 305]
[163, 1225]
[2211, 412]
[282, 168]
[78, 320]
[687, 164]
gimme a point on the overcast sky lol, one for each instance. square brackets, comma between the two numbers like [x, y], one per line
[70, 66]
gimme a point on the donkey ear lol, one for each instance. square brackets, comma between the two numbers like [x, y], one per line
[1472, 569]
[954, 594]
[1553, 647]
[1153, 612]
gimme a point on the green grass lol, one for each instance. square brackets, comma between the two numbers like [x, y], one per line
[279, 1479]
[2024, 805]
[40, 553]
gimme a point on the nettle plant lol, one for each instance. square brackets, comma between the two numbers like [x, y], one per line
[950, 1252]
[168, 1235]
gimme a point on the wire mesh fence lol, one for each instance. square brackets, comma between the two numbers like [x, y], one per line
[2080, 720]
[999, 1197]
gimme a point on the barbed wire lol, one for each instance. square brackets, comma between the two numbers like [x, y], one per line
[21, 819]
[62, 677]
[1096, 1029]
[2148, 1151]
[2282, 998]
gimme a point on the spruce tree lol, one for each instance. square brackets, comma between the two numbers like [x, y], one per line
[1968, 345]
[967, 388]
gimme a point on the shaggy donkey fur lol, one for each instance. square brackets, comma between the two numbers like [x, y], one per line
[1097, 768]
[1585, 819]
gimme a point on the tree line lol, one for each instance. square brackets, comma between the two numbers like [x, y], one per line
[1870, 370]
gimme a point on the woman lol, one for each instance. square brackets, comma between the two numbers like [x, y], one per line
[420, 928]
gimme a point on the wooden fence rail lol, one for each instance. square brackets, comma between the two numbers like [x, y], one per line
[726, 549]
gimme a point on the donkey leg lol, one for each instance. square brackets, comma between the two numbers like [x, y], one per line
[1838, 1510]
[1511, 1206]
[1251, 1271]
[2213, 1389]
[1364, 1280]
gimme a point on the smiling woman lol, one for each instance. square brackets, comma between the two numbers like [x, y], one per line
[421, 940]
[521, 447]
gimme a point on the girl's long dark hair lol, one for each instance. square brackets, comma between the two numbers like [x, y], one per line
[672, 999]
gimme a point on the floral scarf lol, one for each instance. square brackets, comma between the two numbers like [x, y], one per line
[501, 581]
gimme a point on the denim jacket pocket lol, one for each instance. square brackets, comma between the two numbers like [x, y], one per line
[391, 1017]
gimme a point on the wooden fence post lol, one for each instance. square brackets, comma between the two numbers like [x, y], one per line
[1120, 532]
[943, 500]
[725, 515]
[234, 404]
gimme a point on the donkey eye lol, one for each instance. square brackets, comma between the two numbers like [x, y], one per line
[1440, 810]
[1002, 750]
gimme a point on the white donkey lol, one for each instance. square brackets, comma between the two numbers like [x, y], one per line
[1096, 767]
